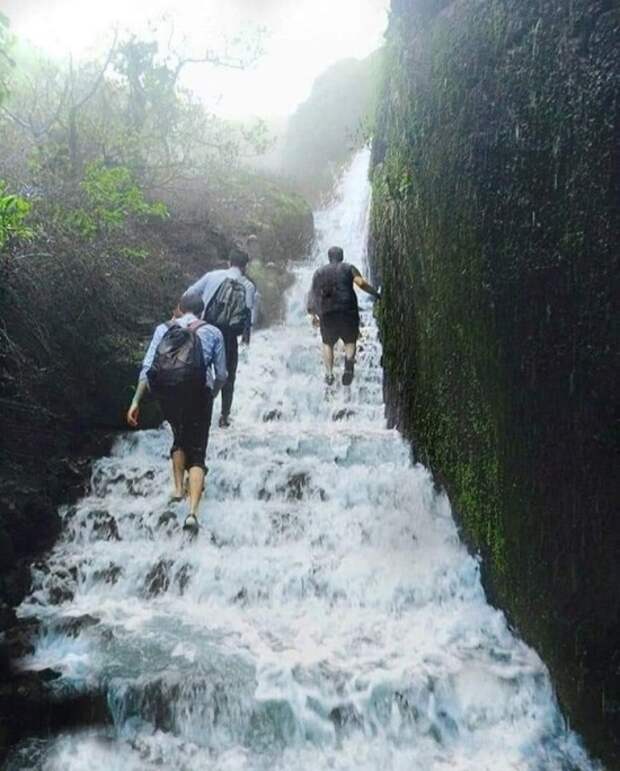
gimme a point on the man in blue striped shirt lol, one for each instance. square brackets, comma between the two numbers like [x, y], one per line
[188, 412]
[205, 288]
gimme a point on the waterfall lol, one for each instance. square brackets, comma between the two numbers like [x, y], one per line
[335, 622]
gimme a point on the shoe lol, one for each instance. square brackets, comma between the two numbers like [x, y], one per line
[347, 377]
[224, 421]
[191, 524]
[329, 379]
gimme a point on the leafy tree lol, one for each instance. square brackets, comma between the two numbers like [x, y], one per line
[112, 197]
[127, 110]
[13, 213]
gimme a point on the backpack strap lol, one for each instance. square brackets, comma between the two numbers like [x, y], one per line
[195, 325]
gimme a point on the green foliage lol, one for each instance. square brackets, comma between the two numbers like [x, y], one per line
[14, 211]
[112, 197]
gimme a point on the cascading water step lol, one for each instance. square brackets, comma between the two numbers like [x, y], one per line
[326, 617]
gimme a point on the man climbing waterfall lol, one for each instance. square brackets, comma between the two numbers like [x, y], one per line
[332, 303]
[184, 367]
[221, 312]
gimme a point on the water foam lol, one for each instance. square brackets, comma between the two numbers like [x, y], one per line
[337, 622]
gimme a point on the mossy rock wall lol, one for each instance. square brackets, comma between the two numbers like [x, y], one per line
[495, 237]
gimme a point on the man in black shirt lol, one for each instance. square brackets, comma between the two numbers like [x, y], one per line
[332, 303]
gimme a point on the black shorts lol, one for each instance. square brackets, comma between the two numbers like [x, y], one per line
[340, 326]
[189, 413]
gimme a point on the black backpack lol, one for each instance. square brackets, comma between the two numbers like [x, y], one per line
[333, 289]
[179, 359]
[227, 310]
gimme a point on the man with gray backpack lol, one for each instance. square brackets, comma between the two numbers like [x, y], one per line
[184, 367]
[229, 304]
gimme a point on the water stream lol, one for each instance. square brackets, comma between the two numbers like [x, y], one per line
[337, 622]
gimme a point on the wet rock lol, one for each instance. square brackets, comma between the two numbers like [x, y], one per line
[69, 513]
[58, 593]
[345, 717]
[19, 639]
[29, 706]
[241, 596]
[272, 415]
[7, 550]
[168, 518]
[59, 585]
[7, 617]
[104, 525]
[109, 574]
[343, 414]
[157, 579]
[183, 576]
[72, 627]
[138, 485]
[296, 484]
[15, 584]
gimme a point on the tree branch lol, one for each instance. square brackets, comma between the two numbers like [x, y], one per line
[101, 75]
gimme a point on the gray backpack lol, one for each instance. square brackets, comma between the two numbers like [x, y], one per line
[227, 309]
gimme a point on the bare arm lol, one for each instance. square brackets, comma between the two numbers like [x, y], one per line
[134, 410]
[219, 364]
[197, 288]
[361, 282]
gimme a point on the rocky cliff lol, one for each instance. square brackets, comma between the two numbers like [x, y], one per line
[495, 236]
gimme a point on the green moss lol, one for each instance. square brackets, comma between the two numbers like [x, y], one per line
[493, 238]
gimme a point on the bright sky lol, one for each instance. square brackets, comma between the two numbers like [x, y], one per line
[303, 38]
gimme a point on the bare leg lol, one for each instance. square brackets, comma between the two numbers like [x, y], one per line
[196, 485]
[349, 363]
[178, 472]
[328, 358]
[349, 351]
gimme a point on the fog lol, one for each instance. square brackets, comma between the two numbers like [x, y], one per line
[300, 38]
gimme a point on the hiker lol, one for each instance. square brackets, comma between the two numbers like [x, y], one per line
[184, 367]
[229, 304]
[332, 303]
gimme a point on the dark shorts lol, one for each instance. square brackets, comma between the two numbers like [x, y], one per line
[189, 414]
[340, 326]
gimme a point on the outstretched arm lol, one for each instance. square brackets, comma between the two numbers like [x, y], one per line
[197, 288]
[365, 286]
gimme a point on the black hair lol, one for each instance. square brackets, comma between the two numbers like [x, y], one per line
[335, 254]
[238, 258]
[191, 303]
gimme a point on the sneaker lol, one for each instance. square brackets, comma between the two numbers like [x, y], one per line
[224, 421]
[191, 524]
[329, 379]
[347, 377]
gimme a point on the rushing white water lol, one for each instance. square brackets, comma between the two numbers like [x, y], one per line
[337, 622]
